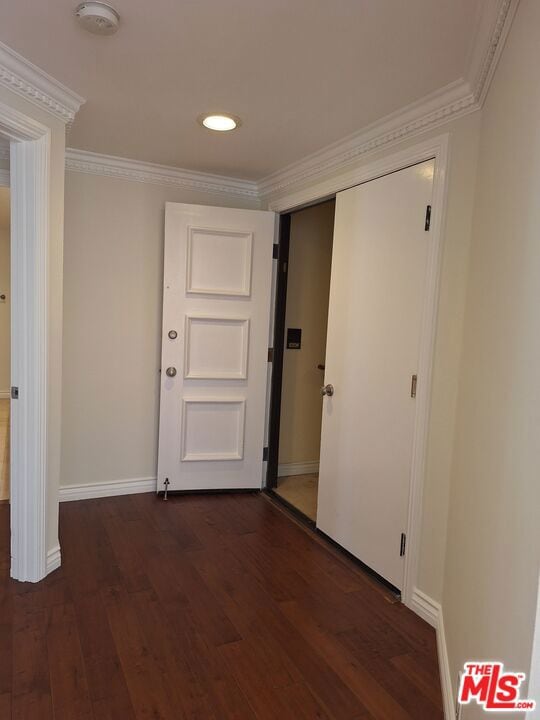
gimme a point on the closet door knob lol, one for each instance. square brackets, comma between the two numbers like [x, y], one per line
[170, 371]
[327, 390]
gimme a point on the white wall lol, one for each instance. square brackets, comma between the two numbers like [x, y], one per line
[5, 289]
[113, 267]
[308, 287]
[493, 545]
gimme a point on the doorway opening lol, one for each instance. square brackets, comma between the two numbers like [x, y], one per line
[305, 259]
[5, 341]
[379, 332]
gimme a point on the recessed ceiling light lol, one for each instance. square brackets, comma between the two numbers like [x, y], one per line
[219, 121]
[98, 17]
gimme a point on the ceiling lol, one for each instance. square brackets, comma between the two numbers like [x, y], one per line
[300, 73]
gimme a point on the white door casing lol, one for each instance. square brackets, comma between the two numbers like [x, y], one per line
[377, 294]
[216, 297]
[30, 186]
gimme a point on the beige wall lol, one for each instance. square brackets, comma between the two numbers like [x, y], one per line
[464, 135]
[493, 553]
[308, 285]
[5, 288]
[113, 267]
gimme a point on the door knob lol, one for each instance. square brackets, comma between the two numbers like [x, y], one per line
[327, 390]
[170, 371]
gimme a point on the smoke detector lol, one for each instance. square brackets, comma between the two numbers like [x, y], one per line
[98, 18]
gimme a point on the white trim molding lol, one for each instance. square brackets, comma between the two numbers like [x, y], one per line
[137, 171]
[491, 37]
[448, 103]
[88, 491]
[443, 105]
[29, 355]
[26, 79]
[30, 151]
[54, 559]
[431, 611]
[425, 607]
[298, 468]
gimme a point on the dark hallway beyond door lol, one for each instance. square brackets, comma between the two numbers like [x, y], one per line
[207, 607]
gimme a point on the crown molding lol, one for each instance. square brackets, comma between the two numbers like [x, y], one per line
[449, 103]
[490, 39]
[26, 79]
[124, 169]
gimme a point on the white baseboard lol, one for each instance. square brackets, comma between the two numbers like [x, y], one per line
[431, 611]
[301, 468]
[54, 559]
[449, 703]
[107, 489]
[5, 394]
[428, 609]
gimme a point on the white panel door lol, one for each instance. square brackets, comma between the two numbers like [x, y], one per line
[379, 266]
[216, 313]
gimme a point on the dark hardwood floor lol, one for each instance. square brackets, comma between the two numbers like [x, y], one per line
[209, 607]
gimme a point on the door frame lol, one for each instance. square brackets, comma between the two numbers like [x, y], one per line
[278, 346]
[436, 148]
[29, 180]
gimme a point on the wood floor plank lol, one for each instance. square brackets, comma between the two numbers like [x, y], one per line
[5, 705]
[7, 610]
[205, 665]
[303, 703]
[395, 683]
[375, 698]
[208, 613]
[249, 670]
[289, 654]
[106, 683]
[244, 600]
[69, 687]
[424, 681]
[148, 686]
[214, 607]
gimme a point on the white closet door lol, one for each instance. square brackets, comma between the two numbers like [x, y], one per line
[377, 292]
[216, 309]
